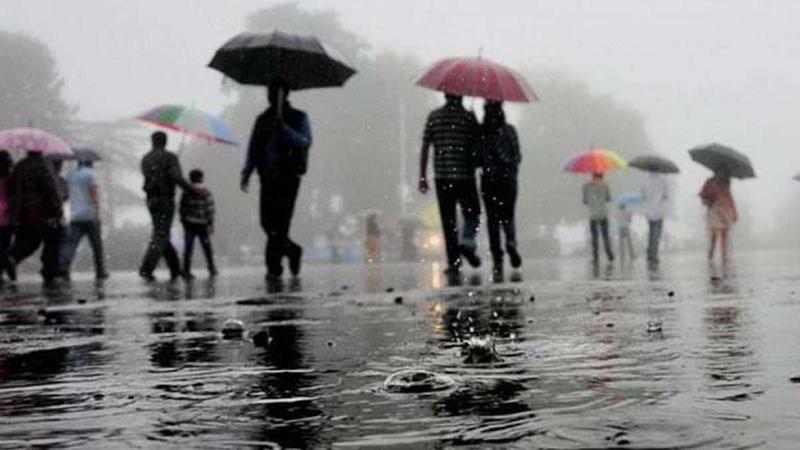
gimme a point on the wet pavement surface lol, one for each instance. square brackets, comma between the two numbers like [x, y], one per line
[686, 356]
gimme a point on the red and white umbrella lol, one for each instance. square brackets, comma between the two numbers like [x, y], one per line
[34, 140]
[478, 77]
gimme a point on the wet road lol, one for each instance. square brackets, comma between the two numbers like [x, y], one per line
[689, 356]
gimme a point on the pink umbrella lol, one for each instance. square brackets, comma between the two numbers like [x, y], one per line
[477, 77]
[34, 140]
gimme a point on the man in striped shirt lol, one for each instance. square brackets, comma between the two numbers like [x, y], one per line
[453, 131]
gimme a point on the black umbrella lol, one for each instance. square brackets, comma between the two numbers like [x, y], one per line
[718, 157]
[302, 62]
[653, 163]
[85, 154]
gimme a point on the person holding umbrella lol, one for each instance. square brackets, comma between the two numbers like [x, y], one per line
[501, 158]
[721, 211]
[84, 215]
[453, 132]
[281, 136]
[716, 195]
[655, 198]
[278, 150]
[596, 194]
[162, 174]
[36, 213]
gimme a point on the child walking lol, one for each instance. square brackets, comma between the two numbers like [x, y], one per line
[197, 217]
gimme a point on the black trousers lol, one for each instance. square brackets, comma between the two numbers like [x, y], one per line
[162, 212]
[192, 231]
[28, 239]
[76, 231]
[500, 199]
[6, 233]
[463, 193]
[278, 196]
[600, 226]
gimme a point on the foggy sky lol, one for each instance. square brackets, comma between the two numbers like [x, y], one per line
[699, 71]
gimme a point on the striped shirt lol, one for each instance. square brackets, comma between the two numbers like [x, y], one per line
[452, 130]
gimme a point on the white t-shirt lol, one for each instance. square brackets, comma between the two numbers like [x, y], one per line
[81, 183]
[655, 197]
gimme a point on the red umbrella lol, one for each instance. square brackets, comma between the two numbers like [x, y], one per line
[477, 77]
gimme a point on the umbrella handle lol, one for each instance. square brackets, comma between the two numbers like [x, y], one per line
[279, 107]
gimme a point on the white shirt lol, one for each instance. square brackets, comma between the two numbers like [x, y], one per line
[655, 197]
[81, 205]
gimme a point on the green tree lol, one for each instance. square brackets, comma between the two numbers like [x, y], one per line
[30, 86]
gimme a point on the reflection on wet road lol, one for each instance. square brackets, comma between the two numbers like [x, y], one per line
[682, 356]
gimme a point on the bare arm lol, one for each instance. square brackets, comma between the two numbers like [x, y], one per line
[423, 166]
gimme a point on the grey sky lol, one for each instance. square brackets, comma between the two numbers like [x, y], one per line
[698, 70]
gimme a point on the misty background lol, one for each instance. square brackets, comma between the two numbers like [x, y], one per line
[629, 76]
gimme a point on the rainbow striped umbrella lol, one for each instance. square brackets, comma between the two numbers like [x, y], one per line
[189, 121]
[595, 161]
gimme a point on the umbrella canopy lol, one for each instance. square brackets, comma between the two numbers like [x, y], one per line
[86, 154]
[718, 157]
[653, 163]
[34, 140]
[477, 77]
[595, 161]
[300, 61]
[629, 199]
[189, 121]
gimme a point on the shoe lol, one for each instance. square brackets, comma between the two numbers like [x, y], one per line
[469, 254]
[513, 257]
[295, 259]
[497, 273]
[213, 272]
[187, 276]
[148, 277]
[102, 275]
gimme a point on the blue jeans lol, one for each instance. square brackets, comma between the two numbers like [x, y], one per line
[76, 231]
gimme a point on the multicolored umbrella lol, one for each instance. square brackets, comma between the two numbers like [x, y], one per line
[595, 161]
[478, 77]
[189, 121]
[34, 140]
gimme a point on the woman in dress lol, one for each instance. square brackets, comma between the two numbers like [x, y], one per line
[721, 211]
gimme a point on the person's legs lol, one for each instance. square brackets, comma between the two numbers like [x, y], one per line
[291, 249]
[509, 223]
[606, 240]
[69, 245]
[26, 241]
[493, 218]
[713, 244]
[724, 242]
[95, 233]
[188, 248]
[593, 230]
[630, 244]
[6, 233]
[471, 211]
[446, 198]
[205, 243]
[161, 214]
[49, 257]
